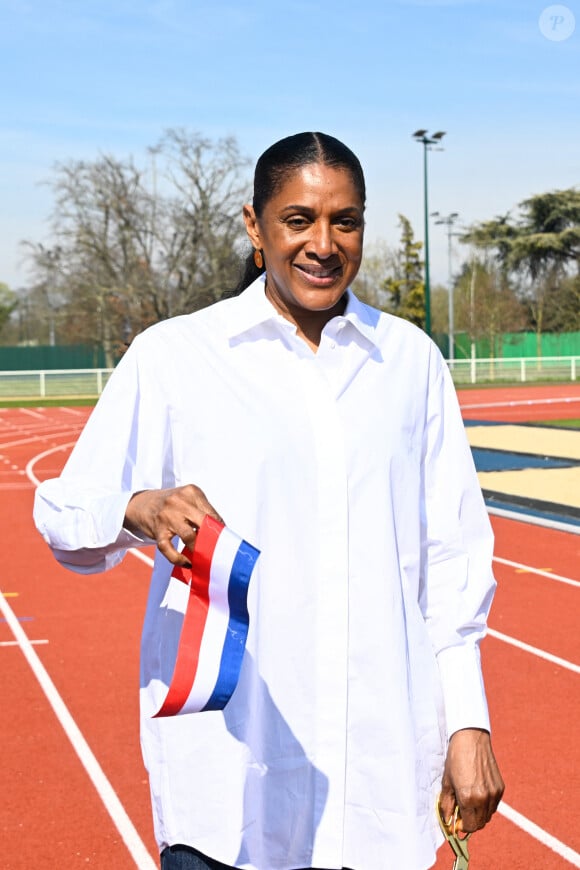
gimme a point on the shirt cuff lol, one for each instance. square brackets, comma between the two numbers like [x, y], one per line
[463, 689]
[92, 560]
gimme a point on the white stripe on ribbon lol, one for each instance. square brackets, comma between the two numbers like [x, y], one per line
[216, 626]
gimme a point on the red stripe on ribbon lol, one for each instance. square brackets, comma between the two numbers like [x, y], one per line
[197, 577]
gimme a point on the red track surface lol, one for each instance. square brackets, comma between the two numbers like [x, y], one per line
[51, 815]
[521, 404]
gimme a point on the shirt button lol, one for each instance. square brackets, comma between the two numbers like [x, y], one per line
[332, 345]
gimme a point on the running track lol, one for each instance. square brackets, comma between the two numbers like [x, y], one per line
[66, 807]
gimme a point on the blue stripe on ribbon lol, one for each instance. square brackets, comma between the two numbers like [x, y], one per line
[237, 631]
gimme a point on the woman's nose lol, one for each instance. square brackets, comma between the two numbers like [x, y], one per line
[321, 243]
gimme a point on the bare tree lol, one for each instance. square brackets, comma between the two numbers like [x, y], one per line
[203, 256]
[40, 305]
[8, 303]
[134, 245]
[379, 262]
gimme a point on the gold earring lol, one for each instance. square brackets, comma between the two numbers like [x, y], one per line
[258, 259]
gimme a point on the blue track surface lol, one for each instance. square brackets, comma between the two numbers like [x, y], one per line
[502, 460]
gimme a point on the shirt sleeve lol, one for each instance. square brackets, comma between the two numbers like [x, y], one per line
[458, 584]
[80, 514]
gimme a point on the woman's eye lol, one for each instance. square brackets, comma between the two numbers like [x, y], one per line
[297, 222]
[347, 223]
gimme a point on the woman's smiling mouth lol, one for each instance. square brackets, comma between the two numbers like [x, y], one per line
[319, 275]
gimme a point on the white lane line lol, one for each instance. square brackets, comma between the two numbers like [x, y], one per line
[32, 413]
[29, 427]
[25, 441]
[15, 642]
[526, 402]
[519, 517]
[139, 555]
[44, 437]
[539, 834]
[30, 465]
[113, 805]
[534, 650]
[548, 574]
[104, 789]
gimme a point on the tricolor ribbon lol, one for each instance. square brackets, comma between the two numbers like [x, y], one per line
[215, 624]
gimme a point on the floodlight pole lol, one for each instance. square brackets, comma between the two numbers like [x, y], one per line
[427, 141]
[448, 221]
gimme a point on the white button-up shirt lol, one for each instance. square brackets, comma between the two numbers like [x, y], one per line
[350, 470]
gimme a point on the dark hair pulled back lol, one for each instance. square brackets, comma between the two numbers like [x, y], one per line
[283, 158]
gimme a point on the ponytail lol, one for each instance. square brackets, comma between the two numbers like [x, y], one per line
[249, 274]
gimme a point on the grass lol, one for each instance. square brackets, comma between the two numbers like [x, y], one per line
[64, 402]
[564, 424]
[499, 382]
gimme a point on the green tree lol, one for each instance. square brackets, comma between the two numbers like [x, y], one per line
[548, 233]
[405, 289]
[540, 248]
[563, 313]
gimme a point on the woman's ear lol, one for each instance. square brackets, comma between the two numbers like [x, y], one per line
[252, 228]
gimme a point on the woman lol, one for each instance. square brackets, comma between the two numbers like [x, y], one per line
[328, 434]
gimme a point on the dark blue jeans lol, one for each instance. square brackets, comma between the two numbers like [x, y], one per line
[186, 858]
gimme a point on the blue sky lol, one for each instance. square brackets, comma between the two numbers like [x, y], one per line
[83, 77]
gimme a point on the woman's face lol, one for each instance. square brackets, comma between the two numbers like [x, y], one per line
[311, 236]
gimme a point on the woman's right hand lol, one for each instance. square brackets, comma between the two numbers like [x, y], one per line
[160, 514]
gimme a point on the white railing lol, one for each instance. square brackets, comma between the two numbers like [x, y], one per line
[89, 383]
[522, 369]
[54, 384]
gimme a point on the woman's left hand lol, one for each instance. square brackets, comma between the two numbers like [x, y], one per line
[471, 780]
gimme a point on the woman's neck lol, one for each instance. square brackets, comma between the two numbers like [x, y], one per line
[309, 323]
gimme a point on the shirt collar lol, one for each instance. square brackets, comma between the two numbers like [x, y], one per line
[363, 318]
[252, 308]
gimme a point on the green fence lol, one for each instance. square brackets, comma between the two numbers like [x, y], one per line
[508, 345]
[514, 344]
[73, 356]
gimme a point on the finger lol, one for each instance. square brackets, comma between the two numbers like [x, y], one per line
[172, 523]
[472, 818]
[188, 534]
[167, 548]
[447, 800]
[478, 805]
[467, 823]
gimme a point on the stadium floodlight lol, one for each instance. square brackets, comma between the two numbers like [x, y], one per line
[427, 142]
